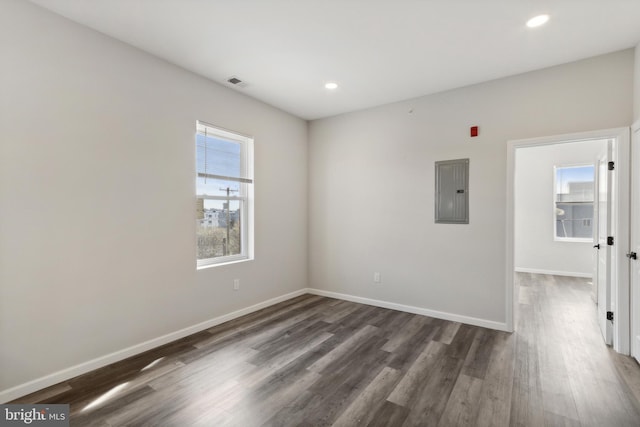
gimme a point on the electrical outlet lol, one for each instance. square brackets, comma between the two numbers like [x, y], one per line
[376, 277]
[236, 284]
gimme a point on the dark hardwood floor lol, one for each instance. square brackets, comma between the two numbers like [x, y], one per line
[316, 361]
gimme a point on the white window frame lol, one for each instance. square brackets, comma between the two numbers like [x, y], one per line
[555, 202]
[245, 195]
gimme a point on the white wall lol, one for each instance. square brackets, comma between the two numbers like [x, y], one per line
[97, 225]
[372, 183]
[535, 248]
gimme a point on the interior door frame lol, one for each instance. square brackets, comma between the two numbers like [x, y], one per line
[621, 207]
[604, 254]
[634, 328]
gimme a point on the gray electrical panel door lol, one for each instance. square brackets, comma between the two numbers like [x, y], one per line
[452, 191]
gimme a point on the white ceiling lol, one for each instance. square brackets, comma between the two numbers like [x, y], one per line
[379, 51]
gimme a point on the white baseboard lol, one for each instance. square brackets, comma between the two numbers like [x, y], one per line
[553, 273]
[73, 371]
[500, 326]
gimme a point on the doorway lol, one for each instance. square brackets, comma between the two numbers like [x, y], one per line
[548, 258]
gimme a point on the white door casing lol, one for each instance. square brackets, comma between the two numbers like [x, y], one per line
[635, 241]
[603, 230]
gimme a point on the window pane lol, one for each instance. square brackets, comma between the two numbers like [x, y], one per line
[574, 220]
[218, 156]
[574, 202]
[574, 184]
[219, 229]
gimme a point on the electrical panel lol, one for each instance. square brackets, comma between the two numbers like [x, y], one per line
[452, 192]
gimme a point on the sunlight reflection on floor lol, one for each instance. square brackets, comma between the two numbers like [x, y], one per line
[106, 396]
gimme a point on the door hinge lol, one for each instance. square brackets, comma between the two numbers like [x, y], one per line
[632, 255]
[611, 166]
[610, 240]
[610, 315]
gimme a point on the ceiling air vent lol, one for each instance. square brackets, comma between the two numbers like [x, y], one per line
[236, 81]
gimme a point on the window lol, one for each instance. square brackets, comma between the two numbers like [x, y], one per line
[574, 198]
[224, 195]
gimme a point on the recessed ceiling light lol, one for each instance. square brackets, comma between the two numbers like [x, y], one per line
[331, 85]
[536, 21]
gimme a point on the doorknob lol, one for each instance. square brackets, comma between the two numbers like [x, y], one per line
[597, 246]
[632, 255]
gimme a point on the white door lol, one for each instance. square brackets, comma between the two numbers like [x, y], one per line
[635, 242]
[603, 277]
[596, 235]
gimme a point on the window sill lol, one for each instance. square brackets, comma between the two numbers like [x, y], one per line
[219, 264]
[572, 240]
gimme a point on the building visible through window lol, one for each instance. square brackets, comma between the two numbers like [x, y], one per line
[224, 190]
[574, 200]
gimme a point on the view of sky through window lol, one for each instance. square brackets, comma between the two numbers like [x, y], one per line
[567, 175]
[217, 156]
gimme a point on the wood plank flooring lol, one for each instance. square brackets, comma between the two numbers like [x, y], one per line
[316, 361]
